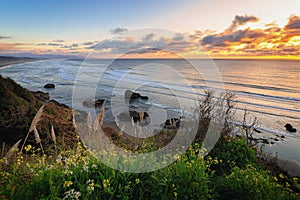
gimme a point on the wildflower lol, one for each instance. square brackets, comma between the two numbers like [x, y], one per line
[287, 184]
[105, 184]
[28, 148]
[215, 161]
[188, 164]
[176, 157]
[175, 194]
[85, 166]
[128, 185]
[71, 194]
[281, 175]
[275, 178]
[137, 180]
[94, 166]
[68, 184]
[91, 186]
[58, 159]
[295, 179]
[68, 172]
[19, 161]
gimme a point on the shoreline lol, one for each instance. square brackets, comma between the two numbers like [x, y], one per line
[6, 61]
[290, 165]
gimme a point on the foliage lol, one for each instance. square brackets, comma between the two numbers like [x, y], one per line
[234, 153]
[77, 174]
[230, 171]
[251, 183]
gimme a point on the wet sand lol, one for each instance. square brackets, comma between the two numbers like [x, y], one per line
[292, 167]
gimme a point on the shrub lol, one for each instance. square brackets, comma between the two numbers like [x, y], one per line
[250, 183]
[233, 153]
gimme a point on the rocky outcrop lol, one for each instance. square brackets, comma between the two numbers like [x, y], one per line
[172, 123]
[142, 117]
[290, 128]
[42, 96]
[130, 96]
[92, 103]
[49, 85]
[138, 116]
[18, 107]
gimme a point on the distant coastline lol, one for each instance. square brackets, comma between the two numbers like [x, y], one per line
[10, 60]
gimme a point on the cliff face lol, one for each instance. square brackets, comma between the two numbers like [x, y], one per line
[18, 107]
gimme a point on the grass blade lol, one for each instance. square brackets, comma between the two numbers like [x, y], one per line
[34, 122]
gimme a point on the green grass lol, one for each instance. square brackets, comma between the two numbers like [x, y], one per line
[230, 171]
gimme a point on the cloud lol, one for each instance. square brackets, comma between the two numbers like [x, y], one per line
[71, 47]
[225, 39]
[11, 46]
[58, 40]
[240, 20]
[293, 23]
[89, 43]
[54, 44]
[74, 45]
[149, 37]
[41, 44]
[145, 50]
[149, 43]
[118, 30]
[4, 37]
[5, 47]
[271, 41]
[178, 37]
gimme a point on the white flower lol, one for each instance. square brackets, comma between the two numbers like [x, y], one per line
[85, 166]
[94, 166]
[58, 159]
[71, 194]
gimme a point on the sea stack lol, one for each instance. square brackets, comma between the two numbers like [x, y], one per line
[290, 128]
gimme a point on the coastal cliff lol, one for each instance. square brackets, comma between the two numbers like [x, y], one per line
[18, 107]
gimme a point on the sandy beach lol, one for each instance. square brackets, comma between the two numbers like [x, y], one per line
[7, 60]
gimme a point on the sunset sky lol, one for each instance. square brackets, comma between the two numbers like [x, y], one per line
[224, 29]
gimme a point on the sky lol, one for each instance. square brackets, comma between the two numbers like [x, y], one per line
[220, 29]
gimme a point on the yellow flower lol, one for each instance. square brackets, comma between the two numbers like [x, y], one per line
[215, 161]
[68, 183]
[175, 194]
[281, 175]
[176, 157]
[105, 184]
[137, 180]
[91, 185]
[128, 185]
[287, 184]
[275, 178]
[295, 179]
[28, 148]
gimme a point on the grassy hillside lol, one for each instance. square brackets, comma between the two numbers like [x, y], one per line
[54, 164]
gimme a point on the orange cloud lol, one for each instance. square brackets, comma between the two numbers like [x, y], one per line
[5, 47]
[237, 41]
[272, 42]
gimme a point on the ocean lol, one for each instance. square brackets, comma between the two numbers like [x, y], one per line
[268, 89]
